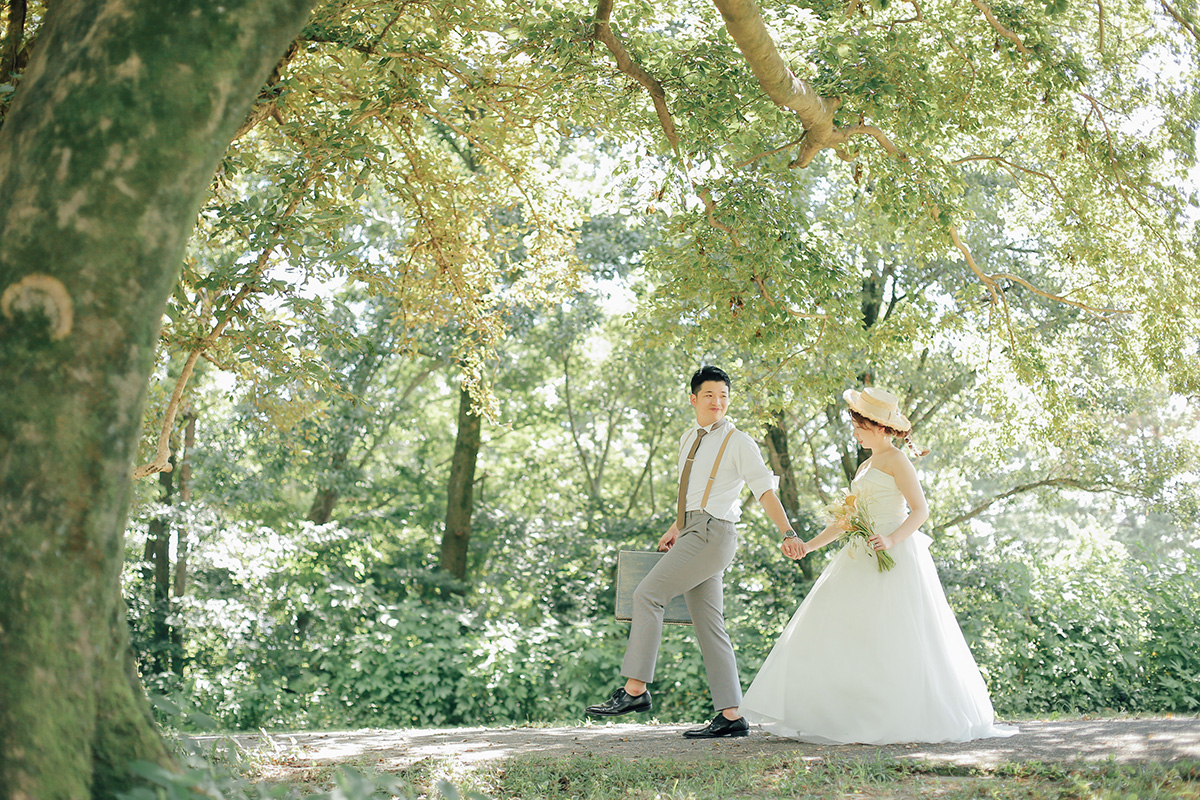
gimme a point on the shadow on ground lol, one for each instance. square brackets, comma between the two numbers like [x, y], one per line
[1126, 741]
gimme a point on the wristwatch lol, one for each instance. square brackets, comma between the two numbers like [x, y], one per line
[790, 534]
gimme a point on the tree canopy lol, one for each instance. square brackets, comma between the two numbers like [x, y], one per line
[1017, 175]
[989, 208]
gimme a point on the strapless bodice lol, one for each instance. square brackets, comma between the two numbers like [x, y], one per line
[881, 499]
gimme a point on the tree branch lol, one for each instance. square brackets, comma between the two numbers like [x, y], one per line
[998, 293]
[603, 33]
[1118, 181]
[970, 259]
[613, 411]
[920, 17]
[816, 465]
[1011, 169]
[655, 439]
[1067, 483]
[162, 458]
[264, 105]
[710, 208]
[398, 408]
[845, 134]
[775, 77]
[1102, 313]
[1187, 26]
[745, 24]
[1003, 31]
[783, 362]
[945, 393]
[593, 489]
[531, 206]
[781, 148]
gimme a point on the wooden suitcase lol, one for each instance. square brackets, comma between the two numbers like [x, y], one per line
[632, 566]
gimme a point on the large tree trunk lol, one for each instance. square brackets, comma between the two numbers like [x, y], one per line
[781, 464]
[181, 539]
[10, 50]
[105, 155]
[461, 489]
[321, 510]
[158, 570]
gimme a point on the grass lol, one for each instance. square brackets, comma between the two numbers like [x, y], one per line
[280, 771]
[592, 778]
[788, 777]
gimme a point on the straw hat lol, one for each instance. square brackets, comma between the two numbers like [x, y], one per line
[878, 406]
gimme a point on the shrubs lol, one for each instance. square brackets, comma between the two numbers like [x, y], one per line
[1090, 628]
[319, 628]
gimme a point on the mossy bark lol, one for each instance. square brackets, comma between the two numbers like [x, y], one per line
[105, 155]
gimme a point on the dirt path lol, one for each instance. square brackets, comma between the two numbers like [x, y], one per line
[1161, 740]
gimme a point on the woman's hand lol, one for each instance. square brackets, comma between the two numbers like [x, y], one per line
[793, 548]
[878, 542]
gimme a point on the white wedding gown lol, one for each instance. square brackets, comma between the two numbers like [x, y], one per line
[874, 657]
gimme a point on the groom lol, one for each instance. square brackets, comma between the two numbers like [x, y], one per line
[699, 545]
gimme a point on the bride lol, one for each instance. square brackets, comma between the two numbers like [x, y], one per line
[874, 654]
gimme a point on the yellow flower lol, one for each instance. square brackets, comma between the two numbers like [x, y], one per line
[855, 524]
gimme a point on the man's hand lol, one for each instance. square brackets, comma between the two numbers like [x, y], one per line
[668, 539]
[794, 548]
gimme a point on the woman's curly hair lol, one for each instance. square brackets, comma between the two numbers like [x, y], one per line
[890, 431]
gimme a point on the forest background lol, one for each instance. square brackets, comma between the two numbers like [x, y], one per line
[351, 544]
[424, 369]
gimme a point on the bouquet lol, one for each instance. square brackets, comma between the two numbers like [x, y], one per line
[856, 524]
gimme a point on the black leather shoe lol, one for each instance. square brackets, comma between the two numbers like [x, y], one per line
[622, 702]
[720, 728]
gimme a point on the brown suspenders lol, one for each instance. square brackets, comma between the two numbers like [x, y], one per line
[716, 465]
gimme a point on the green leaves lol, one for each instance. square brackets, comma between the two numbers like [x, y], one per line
[418, 193]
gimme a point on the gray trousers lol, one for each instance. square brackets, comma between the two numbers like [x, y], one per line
[693, 567]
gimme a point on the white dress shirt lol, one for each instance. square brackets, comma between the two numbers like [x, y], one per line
[741, 465]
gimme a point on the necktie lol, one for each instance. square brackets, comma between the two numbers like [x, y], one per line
[683, 478]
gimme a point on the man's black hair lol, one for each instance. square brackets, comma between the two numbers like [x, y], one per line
[705, 374]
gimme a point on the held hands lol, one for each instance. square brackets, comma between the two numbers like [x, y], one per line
[794, 548]
[881, 542]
